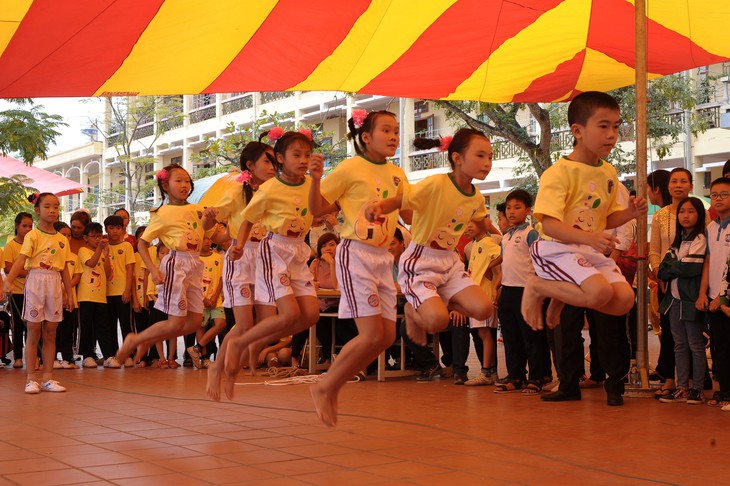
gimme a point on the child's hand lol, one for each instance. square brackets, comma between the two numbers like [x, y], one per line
[126, 296]
[457, 319]
[208, 303]
[210, 213]
[373, 212]
[235, 252]
[136, 306]
[328, 258]
[157, 277]
[638, 206]
[316, 166]
[701, 303]
[8, 288]
[601, 241]
[715, 304]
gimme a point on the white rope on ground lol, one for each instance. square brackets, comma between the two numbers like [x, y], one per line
[292, 376]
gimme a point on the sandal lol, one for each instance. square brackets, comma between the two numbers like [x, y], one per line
[532, 388]
[509, 386]
[162, 363]
[719, 399]
[664, 392]
[173, 364]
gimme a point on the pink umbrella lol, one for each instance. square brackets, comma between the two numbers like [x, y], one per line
[40, 179]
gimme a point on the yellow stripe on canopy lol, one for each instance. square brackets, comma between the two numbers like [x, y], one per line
[169, 59]
[534, 52]
[378, 38]
[704, 26]
[600, 64]
[11, 13]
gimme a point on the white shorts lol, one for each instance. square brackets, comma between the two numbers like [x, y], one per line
[43, 296]
[424, 273]
[239, 277]
[182, 291]
[572, 263]
[476, 323]
[281, 269]
[365, 276]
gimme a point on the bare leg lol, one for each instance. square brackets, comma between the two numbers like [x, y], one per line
[244, 320]
[173, 327]
[48, 330]
[555, 308]
[473, 302]
[414, 329]
[375, 334]
[531, 305]
[31, 349]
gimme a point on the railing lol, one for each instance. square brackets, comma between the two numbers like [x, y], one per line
[711, 115]
[430, 160]
[171, 123]
[269, 96]
[202, 114]
[144, 131]
[114, 139]
[237, 104]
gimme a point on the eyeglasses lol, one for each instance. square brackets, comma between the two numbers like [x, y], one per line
[719, 195]
[94, 236]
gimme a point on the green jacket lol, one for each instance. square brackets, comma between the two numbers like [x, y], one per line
[687, 271]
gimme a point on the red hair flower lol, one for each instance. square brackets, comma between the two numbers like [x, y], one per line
[306, 132]
[244, 178]
[445, 142]
[162, 175]
[358, 117]
[34, 197]
[275, 134]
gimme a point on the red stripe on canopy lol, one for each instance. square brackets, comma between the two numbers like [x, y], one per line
[462, 38]
[553, 85]
[83, 44]
[611, 31]
[273, 62]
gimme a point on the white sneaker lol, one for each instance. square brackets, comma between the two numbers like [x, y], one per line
[481, 380]
[52, 386]
[112, 363]
[195, 355]
[206, 363]
[32, 387]
[129, 363]
[89, 363]
[67, 365]
[57, 364]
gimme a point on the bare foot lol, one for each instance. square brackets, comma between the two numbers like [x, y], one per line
[213, 385]
[414, 331]
[253, 354]
[230, 385]
[324, 406]
[532, 305]
[140, 354]
[127, 347]
[555, 308]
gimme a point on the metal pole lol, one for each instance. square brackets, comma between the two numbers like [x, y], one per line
[642, 356]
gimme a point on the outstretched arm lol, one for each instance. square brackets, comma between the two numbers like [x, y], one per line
[318, 205]
[386, 206]
[560, 231]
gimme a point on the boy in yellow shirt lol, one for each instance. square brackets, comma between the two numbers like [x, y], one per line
[119, 289]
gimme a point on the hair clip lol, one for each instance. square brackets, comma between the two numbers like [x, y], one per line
[244, 177]
[358, 118]
[275, 134]
[306, 132]
[445, 142]
[162, 175]
[34, 197]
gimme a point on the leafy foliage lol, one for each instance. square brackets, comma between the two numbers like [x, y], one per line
[28, 132]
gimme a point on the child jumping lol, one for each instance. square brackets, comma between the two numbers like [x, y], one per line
[179, 226]
[46, 253]
[363, 264]
[282, 275]
[430, 272]
[576, 201]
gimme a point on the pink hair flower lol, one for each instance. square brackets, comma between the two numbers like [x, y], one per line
[306, 132]
[162, 175]
[244, 178]
[445, 142]
[275, 134]
[358, 118]
[34, 197]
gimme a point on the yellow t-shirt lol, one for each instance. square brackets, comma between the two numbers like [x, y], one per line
[45, 251]
[92, 286]
[151, 287]
[282, 208]
[356, 183]
[441, 211]
[120, 255]
[178, 226]
[74, 268]
[483, 252]
[212, 275]
[10, 254]
[230, 208]
[578, 194]
[139, 275]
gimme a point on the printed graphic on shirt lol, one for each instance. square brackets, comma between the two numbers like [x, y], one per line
[191, 238]
[295, 227]
[378, 230]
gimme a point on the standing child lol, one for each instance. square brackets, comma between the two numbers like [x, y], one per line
[119, 290]
[23, 225]
[46, 253]
[239, 276]
[94, 259]
[682, 268]
[576, 201]
[67, 329]
[714, 285]
[363, 264]
[140, 307]
[282, 275]
[430, 272]
[179, 226]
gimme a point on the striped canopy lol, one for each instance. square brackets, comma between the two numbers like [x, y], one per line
[491, 50]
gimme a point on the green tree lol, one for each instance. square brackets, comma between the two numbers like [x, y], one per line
[28, 132]
[131, 126]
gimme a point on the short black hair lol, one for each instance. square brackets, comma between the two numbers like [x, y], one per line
[585, 104]
[113, 220]
[93, 228]
[502, 208]
[720, 180]
[59, 225]
[398, 235]
[726, 168]
[520, 195]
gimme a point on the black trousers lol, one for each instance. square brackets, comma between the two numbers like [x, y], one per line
[613, 348]
[65, 335]
[19, 328]
[720, 336]
[121, 312]
[95, 327]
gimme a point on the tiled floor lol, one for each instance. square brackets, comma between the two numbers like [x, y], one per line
[149, 426]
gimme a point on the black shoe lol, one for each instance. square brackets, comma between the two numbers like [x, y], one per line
[460, 378]
[560, 396]
[426, 375]
[614, 400]
[187, 363]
